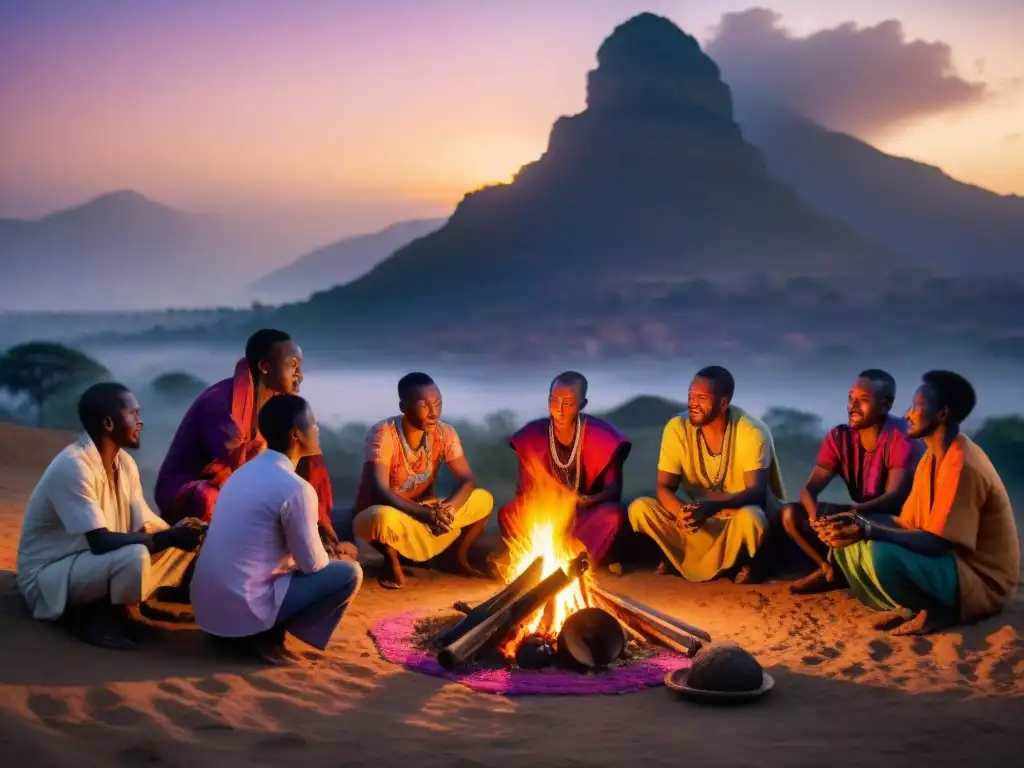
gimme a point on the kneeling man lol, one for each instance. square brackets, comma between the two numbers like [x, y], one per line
[90, 546]
[724, 460]
[953, 553]
[263, 569]
[395, 509]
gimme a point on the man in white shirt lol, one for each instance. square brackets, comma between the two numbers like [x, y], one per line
[263, 569]
[90, 546]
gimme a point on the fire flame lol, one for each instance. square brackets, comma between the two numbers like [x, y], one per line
[543, 528]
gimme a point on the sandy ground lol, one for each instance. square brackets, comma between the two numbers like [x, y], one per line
[844, 695]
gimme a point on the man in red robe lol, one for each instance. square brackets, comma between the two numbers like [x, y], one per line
[586, 454]
[219, 434]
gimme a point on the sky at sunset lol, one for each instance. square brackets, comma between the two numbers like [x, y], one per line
[396, 108]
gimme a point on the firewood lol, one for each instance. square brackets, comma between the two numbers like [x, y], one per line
[645, 632]
[504, 621]
[504, 597]
[650, 615]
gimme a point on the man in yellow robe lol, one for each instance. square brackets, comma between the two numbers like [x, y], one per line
[396, 509]
[724, 460]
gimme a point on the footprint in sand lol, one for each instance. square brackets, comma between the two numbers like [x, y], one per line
[188, 718]
[267, 685]
[107, 707]
[853, 671]
[831, 653]
[811, 661]
[212, 686]
[1002, 672]
[968, 669]
[171, 688]
[102, 698]
[922, 646]
[879, 650]
[47, 707]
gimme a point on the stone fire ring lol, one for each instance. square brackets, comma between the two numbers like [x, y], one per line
[394, 639]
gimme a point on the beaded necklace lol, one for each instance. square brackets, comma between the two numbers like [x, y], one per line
[572, 465]
[702, 445]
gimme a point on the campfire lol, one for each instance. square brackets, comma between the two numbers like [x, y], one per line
[551, 610]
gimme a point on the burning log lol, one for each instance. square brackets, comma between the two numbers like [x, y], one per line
[660, 621]
[504, 621]
[527, 580]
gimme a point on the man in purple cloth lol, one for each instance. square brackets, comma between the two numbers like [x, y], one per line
[219, 433]
[875, 459]
[586, 454]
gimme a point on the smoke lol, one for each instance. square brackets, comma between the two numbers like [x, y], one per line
[860, 80]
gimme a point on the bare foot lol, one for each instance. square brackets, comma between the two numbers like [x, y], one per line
[663, 568]
[923, 623]
[393, 576]
[821, 580]
[615, 569]
[890, 620]
[746, 575]
[465, 568]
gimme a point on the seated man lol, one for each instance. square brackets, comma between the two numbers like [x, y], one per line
[585, 454]
[218, 434]
[263, 569]
[395, 508]
[725, 462]
[90, 546]
[873, 456]
[953, 552]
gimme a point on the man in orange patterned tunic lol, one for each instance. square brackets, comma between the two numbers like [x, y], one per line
[396, 510]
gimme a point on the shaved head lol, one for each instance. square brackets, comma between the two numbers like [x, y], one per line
[576, 381]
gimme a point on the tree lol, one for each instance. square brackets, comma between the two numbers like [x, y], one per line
[789, 423]
[39, 369]
[1002, 438]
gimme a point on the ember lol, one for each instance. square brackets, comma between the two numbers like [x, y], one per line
[549, 581]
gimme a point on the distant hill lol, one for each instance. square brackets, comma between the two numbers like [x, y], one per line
[644, 412]
[119, 251]
[338, 263]
[916, 209]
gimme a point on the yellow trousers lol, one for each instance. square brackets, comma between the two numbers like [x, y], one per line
[715, 547]
[413, 539]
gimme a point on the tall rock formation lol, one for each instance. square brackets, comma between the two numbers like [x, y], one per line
[652, 185]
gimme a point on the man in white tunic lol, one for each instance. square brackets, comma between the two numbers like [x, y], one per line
[263, 569]
[90, 546]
